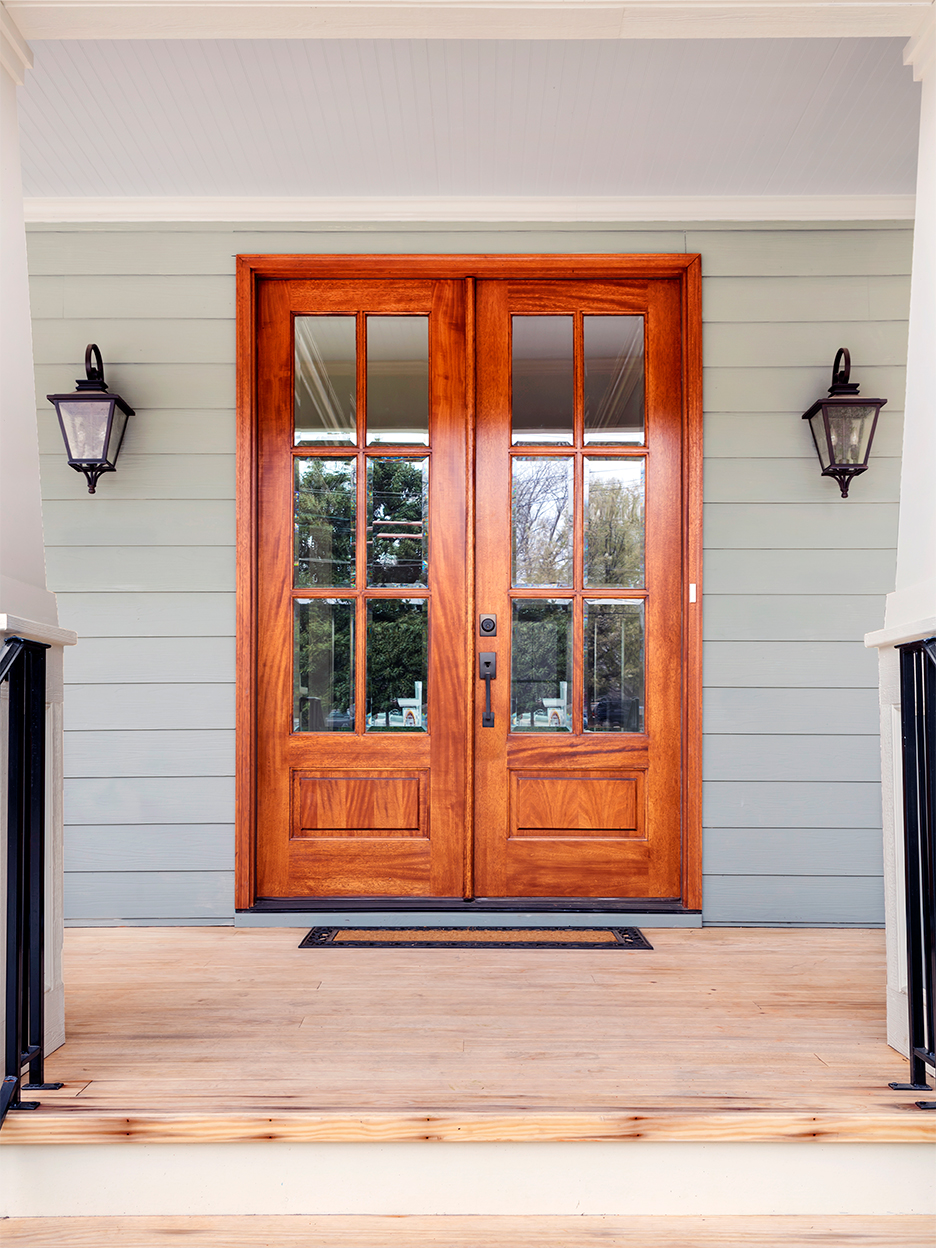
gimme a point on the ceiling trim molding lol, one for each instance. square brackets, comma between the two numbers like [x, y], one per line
[466, 19]
[920, 52]
[15, 54]
[472, 208]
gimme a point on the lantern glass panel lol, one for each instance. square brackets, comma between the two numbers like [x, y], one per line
[850, 431]
[118, 425]
[84, 422]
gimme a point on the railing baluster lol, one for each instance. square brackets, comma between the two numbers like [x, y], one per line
[918, 739]
[23, 665]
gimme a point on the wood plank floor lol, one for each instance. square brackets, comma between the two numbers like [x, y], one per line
[231, 1034]
[472, 1232]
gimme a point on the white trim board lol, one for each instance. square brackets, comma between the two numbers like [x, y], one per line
[472, 208]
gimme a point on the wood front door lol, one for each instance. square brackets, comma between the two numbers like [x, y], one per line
[453, 469]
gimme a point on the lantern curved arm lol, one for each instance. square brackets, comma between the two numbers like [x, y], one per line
[94, 371]
[839, 376]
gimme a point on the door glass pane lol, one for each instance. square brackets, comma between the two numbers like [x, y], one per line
[614, 379]
[614, 522]
[397, 692]
[398, 379]
[614, 666]
[397, 522]
[542, 521]
[543, 387]
[541, 666]
[325, 380]
[324, 506]
[323, 665]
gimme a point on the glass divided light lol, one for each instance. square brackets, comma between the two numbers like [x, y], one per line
[542, 523]
[614, 380]
[614, 666]
[398, 380]
[324, 522]
[325, 385]
[614, 522]
[541, 665]
[397, 522]
[323, 665]
[543, 380]
[397, 633]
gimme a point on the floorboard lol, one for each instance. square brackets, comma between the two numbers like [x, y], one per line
[471, 1232]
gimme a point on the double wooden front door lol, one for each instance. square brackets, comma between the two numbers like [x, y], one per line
[469, 657]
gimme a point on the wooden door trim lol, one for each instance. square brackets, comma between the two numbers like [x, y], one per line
[251, 270]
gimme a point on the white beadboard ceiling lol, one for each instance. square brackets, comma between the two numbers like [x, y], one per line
[459, 118]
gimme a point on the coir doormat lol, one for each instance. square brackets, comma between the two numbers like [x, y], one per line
[475, 938]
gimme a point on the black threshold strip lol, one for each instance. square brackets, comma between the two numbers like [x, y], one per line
[475, 938]
[610, 906]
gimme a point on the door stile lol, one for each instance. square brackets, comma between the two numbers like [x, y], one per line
[471, 614]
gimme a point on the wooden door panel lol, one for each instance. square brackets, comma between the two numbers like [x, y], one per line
[576, 804]
[578, 868]
[355, 805]
[360, 867]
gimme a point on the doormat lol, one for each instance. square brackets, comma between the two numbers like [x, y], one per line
[476, 938]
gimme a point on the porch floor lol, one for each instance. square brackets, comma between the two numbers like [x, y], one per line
[224, 1034]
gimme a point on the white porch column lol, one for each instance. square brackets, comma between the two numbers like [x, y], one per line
[27, 609]
[911, 609]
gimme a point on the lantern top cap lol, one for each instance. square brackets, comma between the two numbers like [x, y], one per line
[94, 370]
[840, 376]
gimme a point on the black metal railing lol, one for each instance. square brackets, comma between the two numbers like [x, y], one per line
[23, 665]
[918, 733]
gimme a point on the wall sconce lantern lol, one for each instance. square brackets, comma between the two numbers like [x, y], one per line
[843, 426]
[92, 421]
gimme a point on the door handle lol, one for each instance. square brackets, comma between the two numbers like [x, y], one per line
[487, 671]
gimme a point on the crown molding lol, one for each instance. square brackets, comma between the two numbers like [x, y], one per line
[920, 52]
[471, 209]
[15, 54]
[465, 19]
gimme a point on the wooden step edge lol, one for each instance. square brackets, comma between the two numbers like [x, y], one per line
[439, 1231]
[75, 1124]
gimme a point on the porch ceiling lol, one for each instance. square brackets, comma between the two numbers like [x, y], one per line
[743, 117]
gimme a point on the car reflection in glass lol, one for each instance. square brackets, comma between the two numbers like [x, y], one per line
[615, 712]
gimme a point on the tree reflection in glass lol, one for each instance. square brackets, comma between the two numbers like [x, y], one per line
[323, 522]
[614, 522]
[542, 521]
[397, 516]
[541, 666]
[397, 692]
[323, 665]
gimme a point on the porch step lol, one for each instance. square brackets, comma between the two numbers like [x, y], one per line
[471, 1232]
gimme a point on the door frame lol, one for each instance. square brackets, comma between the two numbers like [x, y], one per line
[252, 270]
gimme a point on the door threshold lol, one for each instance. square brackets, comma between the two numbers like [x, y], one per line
[480, 905]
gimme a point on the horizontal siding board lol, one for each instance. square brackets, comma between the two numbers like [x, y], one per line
[145, 752]
[137, 296]
[792, 851]
[149, 707]
[149, 894]
[838, 711]
[789, 665]
[784, 435]
[780, 299]
[135, 614]
[132, 341]
[793, 617]
[136, 799]
[149, 660]
[46, 296]
[97, 521]
[785, 526]
[835, 759]
[790, 804]
[828, 571]
[740, 252]
[795, 344]
[795, 481]
[145, 476]
[153, 847]
[105, 250]
[157, 431]
[183, 386]
[140, 567]
[794, 389]
[807, 901]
